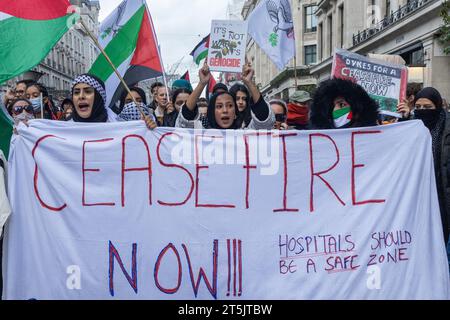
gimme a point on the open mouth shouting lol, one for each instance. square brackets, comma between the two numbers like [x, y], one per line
[84, 109]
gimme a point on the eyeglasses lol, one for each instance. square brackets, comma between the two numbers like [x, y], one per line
[19, 109]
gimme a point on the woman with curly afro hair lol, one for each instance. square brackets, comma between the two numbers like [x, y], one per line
[342, 104]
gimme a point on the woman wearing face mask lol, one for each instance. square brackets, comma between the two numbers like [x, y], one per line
[428, 108]
[22, 110]
[39, 97]
[242, 97]
[342, 104]
[67, 109]
[222, 108]
[127, 108]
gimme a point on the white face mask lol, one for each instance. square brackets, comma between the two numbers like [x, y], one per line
[36, 103]
[23, 117]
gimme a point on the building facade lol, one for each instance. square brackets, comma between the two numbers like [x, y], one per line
[408, 28]
[275, 83]
[72, 55]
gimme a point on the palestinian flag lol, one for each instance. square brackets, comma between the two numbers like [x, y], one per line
[186, 76]
[201, 50]
[342, 117]
[129, 39]
[28, 31]
[210, 87]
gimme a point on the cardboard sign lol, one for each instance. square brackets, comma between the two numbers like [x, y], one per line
[227, 45]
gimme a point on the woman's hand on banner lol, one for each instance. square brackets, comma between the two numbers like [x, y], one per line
[151, 125]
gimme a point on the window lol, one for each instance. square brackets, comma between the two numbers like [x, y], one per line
[321, 48]
[388, 8]
[414, 57]
[310, 19]
[310, 54]
[330, 35]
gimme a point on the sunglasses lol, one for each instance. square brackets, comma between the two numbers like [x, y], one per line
[19, 109]
[280, 117]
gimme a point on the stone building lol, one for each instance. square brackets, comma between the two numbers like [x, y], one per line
[408, 28]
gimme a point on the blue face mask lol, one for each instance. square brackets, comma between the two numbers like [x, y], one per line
[36, 103]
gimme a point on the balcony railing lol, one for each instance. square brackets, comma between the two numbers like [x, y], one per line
[395, 17]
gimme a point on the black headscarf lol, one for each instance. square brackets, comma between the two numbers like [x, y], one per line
[434, 120]
[431, 94]
[212, 112]
[99, 113]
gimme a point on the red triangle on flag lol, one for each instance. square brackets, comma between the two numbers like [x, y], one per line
[186, 76]
[147, 53]
[212, 83]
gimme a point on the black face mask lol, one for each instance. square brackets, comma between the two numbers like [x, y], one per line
[428, 117]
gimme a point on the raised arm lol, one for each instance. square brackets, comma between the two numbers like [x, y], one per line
[204, 76]
[259, 107]
[247, 78]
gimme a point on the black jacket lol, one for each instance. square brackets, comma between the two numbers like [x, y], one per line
[443, 183]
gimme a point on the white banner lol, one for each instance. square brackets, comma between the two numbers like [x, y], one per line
[227, 44]
[115, 211]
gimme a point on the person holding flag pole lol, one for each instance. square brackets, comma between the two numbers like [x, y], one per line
[130, 51]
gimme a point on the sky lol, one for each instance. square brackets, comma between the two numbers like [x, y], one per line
[180, 25]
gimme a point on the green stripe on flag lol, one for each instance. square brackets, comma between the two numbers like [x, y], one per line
[24, 43]
[201, 56]
[120, 47]
[341, 112]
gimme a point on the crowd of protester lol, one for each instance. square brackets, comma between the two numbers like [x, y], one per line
[335, 104]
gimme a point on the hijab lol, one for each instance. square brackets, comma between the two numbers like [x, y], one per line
[212, 124]
[99, 113]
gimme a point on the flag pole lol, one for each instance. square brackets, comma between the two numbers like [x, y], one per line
[42, 106]
[163, 73]
[295, 72]
[112, 65]
[159, 53]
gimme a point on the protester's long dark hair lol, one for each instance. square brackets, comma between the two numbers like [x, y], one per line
[212, 112]
[178, 92]
[138, 90]
[49, 105]
[245, 117]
